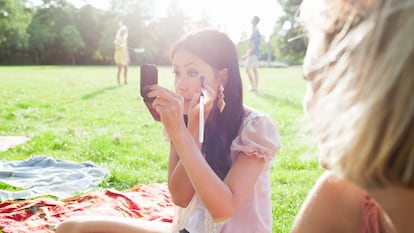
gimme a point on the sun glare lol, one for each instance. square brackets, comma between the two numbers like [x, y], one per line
[233, 16]
[230, 16]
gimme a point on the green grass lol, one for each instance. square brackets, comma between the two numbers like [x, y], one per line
[79, 113]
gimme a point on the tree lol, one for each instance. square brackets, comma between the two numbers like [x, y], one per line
[203, 22]
[46, 41]
[166, 31]
[41, 34]
[136, 15]
[72, 41]
[14, 19]
[286, 40]
[89, 23]
[110, 25]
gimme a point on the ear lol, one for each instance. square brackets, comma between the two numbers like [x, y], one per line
[222, 76]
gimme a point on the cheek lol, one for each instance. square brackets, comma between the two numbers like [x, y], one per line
[186, 87]
[214, 88]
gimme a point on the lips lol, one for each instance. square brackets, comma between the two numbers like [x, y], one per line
[187, 101]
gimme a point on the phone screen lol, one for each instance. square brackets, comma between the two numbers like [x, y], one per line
[149, 76]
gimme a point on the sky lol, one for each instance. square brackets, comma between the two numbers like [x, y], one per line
[231, 16]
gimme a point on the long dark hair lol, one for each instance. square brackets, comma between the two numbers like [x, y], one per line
[216, 49]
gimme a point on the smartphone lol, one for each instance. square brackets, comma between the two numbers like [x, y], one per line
[149, 76]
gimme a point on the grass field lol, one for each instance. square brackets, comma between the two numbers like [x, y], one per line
[79, 113]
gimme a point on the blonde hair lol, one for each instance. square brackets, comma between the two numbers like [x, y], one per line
[123, 28]
[366, 94]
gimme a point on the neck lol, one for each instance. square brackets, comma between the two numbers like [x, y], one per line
[398, 203]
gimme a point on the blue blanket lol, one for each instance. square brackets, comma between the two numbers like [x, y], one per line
[43, 175]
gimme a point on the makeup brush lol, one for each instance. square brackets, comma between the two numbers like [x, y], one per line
[201, 114]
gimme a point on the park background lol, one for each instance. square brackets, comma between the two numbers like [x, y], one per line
[45, 32]
[58, 86]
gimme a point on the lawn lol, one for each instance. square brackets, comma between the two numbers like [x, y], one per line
[79, 113]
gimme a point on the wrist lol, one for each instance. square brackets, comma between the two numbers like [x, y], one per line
[183, 137]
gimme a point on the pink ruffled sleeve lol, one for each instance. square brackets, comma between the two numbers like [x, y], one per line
[258, 137]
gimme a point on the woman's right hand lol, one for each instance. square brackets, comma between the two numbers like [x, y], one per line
[170, 107]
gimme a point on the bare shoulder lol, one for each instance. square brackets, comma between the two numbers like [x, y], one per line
[333, 205]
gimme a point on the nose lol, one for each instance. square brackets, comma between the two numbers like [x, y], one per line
[180, 85]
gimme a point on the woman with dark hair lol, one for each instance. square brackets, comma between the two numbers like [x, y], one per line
[219, 172]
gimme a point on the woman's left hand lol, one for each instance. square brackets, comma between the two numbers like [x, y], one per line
[194, 106]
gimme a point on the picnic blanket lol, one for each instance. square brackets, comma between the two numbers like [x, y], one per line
[150, 202]
[43, 175]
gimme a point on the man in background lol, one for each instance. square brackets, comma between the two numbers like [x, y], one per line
[253, 55]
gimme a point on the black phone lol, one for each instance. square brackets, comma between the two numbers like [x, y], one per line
[149, 76]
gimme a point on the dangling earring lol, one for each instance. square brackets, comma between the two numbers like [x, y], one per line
[220, 102]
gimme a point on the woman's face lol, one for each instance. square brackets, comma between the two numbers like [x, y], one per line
[188, 69]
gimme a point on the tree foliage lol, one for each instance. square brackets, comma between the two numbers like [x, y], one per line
[72, 42]
[14, 20]
[286, 39]
[56, 32]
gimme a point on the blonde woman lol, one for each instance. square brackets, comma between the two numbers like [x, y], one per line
[360, 99]
[121, 56]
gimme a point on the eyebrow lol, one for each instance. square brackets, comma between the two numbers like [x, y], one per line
[189, 64]
[186, 65]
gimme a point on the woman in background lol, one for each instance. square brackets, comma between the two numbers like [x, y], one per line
[121, 56]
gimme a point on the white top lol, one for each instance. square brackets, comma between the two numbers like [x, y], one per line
[258, 136]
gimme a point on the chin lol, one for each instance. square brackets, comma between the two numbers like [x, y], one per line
[185, 109]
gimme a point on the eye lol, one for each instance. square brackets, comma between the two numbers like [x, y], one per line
[192, 73]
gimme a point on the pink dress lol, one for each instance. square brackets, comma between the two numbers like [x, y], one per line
[258, 136]
[371, 215]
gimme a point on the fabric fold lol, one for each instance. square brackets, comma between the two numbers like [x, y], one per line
[43, 175]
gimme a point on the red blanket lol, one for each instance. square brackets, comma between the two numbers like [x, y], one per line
[150, 202]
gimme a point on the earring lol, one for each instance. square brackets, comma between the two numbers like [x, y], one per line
[220, 102]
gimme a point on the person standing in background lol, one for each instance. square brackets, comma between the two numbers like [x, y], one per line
[253, 55]
[121, 56]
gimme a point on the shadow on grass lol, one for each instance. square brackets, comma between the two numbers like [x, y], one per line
[273, 98]
[99, 92]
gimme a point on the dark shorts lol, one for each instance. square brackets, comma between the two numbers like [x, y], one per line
[183, 231]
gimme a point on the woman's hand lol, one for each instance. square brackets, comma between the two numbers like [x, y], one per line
[170, 107]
